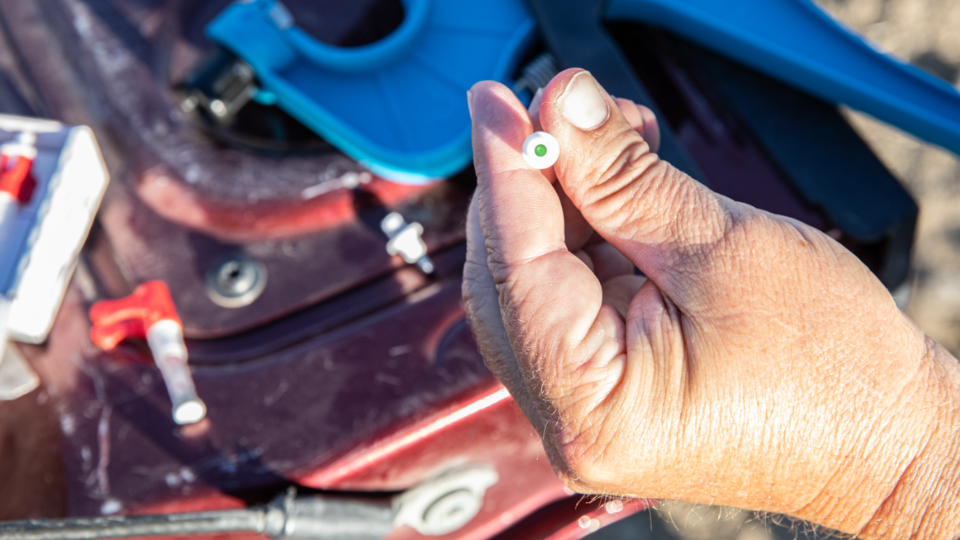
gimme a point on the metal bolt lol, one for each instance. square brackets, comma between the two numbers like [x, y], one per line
[218, 108]
[236, 281]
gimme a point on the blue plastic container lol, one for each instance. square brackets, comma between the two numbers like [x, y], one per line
[398, 105]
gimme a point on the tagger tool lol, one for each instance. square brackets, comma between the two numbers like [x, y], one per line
[52, 179]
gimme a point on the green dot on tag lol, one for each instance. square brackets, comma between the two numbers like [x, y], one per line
[540, 150]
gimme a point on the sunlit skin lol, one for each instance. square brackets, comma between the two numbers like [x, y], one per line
[760, 366]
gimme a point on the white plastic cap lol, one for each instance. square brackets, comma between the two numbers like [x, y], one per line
[189, 412]
[541, 150]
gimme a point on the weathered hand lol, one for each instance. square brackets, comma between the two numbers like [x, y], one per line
[761, 365]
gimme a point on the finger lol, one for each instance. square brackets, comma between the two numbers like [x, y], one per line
[652, 213]
[620, 291]
[642, 119]
[585, 258]
[483, 313]
[534, 111]
[651, 128]
[564, 339]
[631, 113]
[608, 263]
[576, 231]
[576, 228]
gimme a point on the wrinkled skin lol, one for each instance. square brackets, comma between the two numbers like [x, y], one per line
[759, 365]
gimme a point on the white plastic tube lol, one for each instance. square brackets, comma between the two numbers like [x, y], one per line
[165, 339]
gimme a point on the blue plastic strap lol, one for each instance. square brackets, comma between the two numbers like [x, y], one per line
[796, 42]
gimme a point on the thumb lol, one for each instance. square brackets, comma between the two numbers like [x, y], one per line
[656, 215]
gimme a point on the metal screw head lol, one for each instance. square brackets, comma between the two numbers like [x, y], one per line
[236, 281]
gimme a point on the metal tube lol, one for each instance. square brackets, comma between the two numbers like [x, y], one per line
[292, 518]
[253, 520]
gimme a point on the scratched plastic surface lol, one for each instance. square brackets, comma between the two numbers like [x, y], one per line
[797, 42]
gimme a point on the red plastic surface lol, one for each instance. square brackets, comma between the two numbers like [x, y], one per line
[15, 177]
[131, 317]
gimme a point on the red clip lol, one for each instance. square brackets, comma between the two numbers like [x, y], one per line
[131, 317]
[15, 177]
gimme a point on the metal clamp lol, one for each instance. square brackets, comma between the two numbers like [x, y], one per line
[221, 87]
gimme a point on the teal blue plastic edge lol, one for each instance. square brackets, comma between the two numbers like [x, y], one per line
[367, 57]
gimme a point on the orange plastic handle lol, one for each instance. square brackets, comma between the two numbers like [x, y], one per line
[131, 317]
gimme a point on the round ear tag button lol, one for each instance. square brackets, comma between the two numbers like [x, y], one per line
[540, 150]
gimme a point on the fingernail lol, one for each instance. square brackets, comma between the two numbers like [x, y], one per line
[582, 104]
[470, 103]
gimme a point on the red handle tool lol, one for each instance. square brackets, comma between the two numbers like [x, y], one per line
[149, 313]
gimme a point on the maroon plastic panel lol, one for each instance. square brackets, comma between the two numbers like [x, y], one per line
[270, 420]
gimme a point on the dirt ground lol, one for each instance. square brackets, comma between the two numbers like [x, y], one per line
[927, 34]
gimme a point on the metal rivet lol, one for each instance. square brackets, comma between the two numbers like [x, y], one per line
[218, 108]
[236, 281]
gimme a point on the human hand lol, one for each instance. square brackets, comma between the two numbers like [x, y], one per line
[760, 366]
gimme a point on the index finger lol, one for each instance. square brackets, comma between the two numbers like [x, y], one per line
[551, 302]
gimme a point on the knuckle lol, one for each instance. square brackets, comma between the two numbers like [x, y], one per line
[630, 188]
[618, 164]
[574, 484]
[580, 459]
[475, 289]
[499, 266]
[583, 450]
